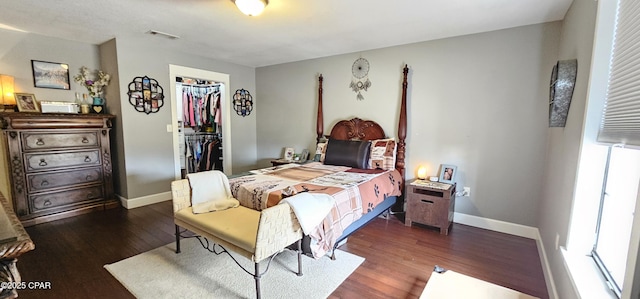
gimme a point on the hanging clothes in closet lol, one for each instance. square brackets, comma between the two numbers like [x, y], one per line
[201, 107]
[203, 152]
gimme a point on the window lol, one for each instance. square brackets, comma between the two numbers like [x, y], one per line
[615, 218]
[602, 222]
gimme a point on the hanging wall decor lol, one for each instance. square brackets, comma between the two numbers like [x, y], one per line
[242, 102]
[563, 80]
[360, 81]
[145, 95]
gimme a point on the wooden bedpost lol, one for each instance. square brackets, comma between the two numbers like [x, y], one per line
[402, 128]
[319, 120]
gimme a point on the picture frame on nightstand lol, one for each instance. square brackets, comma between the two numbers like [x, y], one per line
[447, 173]
[288, 153]
[304, 155]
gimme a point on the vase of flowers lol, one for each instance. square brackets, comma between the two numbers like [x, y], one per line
[94, 81]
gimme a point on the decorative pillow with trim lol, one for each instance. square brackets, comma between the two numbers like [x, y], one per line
[321, 151]
[383, 154]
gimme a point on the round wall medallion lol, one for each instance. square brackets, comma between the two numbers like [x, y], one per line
[242, 102]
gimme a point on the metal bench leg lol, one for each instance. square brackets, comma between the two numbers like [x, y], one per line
[299, 257]
[256, 276]
[177, 239]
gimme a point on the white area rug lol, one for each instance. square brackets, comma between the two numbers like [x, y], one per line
[197, 273]
[453, 285]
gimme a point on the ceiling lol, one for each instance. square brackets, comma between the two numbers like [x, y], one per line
[288, 30]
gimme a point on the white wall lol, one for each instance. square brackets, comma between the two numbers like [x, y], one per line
[564, 144]
[142, 147]
[17, 49]
[476, 101]
[20, 48]
[147, 161]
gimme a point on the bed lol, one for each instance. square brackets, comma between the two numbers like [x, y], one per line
[363, 187]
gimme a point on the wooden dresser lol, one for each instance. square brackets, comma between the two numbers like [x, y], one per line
[59, 164]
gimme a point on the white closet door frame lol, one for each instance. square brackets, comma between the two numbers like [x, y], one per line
[181, 71]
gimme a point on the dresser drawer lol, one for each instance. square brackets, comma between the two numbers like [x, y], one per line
[42, 202]
[37, 161]
[35, 141]
[50, 180]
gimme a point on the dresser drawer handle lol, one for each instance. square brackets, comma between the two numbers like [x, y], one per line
[90, 195]
[87, 159]
[85, 140]
[426, 201]
[44, 183]
[42, 162]
[88, 178]
[46, 203]
[39, 141]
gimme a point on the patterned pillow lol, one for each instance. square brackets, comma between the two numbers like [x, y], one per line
[383, 154]
[321, 151]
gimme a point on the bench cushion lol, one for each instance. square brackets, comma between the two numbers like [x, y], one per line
[238, 226]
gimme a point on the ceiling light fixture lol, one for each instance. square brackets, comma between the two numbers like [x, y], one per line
[251, 7]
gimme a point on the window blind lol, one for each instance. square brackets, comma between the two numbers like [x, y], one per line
[621, 117]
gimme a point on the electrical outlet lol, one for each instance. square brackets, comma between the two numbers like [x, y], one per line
[466, 191]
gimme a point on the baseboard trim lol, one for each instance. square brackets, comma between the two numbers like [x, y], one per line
[497, 225]
[132, 203]
[546, 268]
[517, 230]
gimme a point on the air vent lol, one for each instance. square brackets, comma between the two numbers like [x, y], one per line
[167, 35]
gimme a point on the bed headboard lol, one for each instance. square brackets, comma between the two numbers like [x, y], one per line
[357, 129]
[367, 129]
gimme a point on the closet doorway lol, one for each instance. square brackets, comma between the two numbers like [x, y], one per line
[205, 124]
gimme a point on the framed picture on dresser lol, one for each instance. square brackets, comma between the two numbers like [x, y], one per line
[26, 102]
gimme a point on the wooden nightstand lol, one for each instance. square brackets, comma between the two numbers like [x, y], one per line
[430, 206]
[277, 162]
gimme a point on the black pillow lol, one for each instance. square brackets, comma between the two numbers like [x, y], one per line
[348, 153]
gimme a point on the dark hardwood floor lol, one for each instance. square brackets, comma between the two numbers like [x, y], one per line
[71, 253]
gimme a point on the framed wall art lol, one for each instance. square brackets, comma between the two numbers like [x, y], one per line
[145, 95]
[563, 80]
[242, 102]
[50, 74]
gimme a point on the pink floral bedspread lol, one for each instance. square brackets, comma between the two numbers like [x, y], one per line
[356, 192]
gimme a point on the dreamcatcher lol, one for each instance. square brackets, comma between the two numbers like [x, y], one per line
[360, 81]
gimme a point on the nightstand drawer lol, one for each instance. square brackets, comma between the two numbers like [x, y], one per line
[425, 211]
